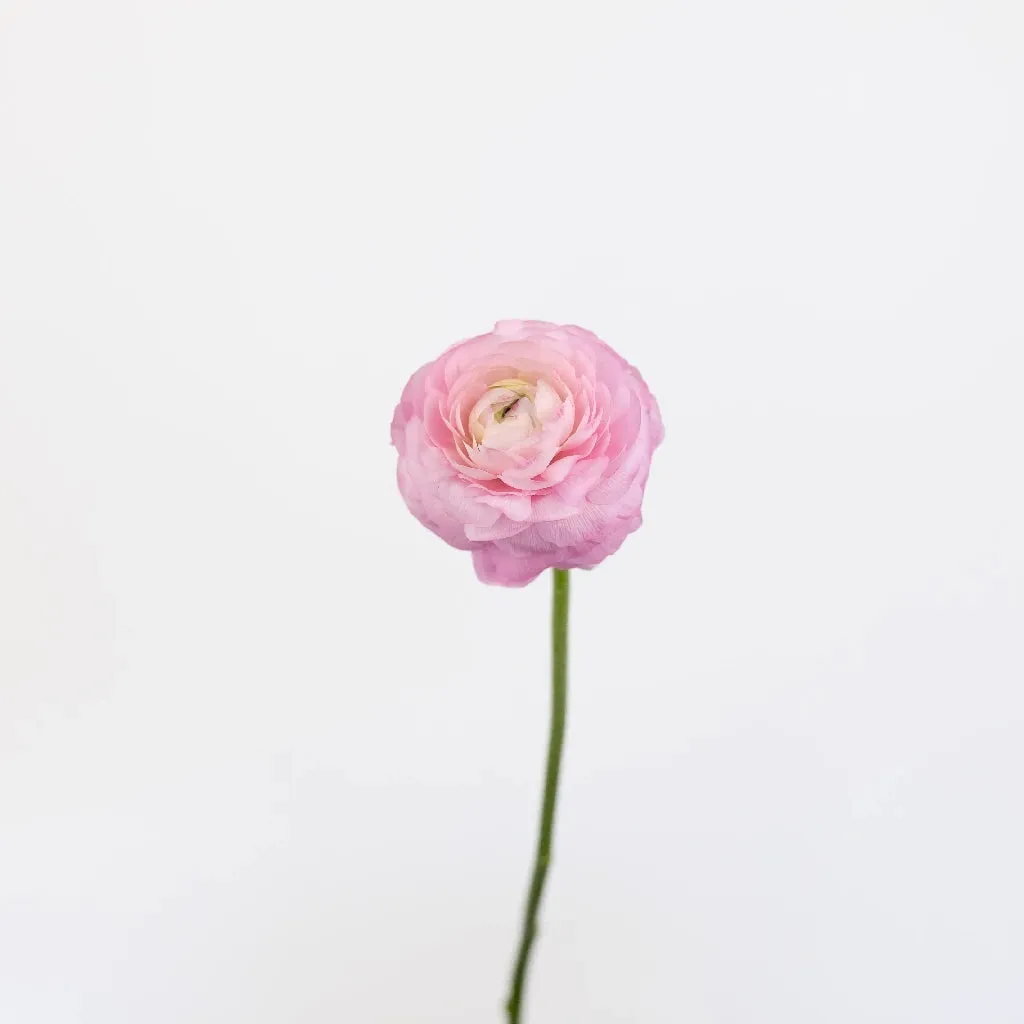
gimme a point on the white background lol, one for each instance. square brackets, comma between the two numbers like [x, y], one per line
[269, 753]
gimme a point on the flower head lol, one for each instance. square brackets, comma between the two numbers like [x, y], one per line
[528, 446]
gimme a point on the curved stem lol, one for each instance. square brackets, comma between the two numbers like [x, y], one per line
[559, 687]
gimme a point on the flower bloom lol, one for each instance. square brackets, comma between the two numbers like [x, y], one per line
[529, 446]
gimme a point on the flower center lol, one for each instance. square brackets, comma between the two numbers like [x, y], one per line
[510, 412]
[500, 414]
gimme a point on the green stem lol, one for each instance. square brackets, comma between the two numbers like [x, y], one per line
[559, 686]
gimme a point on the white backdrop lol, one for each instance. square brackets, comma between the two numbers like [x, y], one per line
[269, 753]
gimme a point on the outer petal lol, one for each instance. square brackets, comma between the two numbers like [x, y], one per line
[493, 566]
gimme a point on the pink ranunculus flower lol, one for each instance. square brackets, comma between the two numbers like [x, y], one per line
[528, 446]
